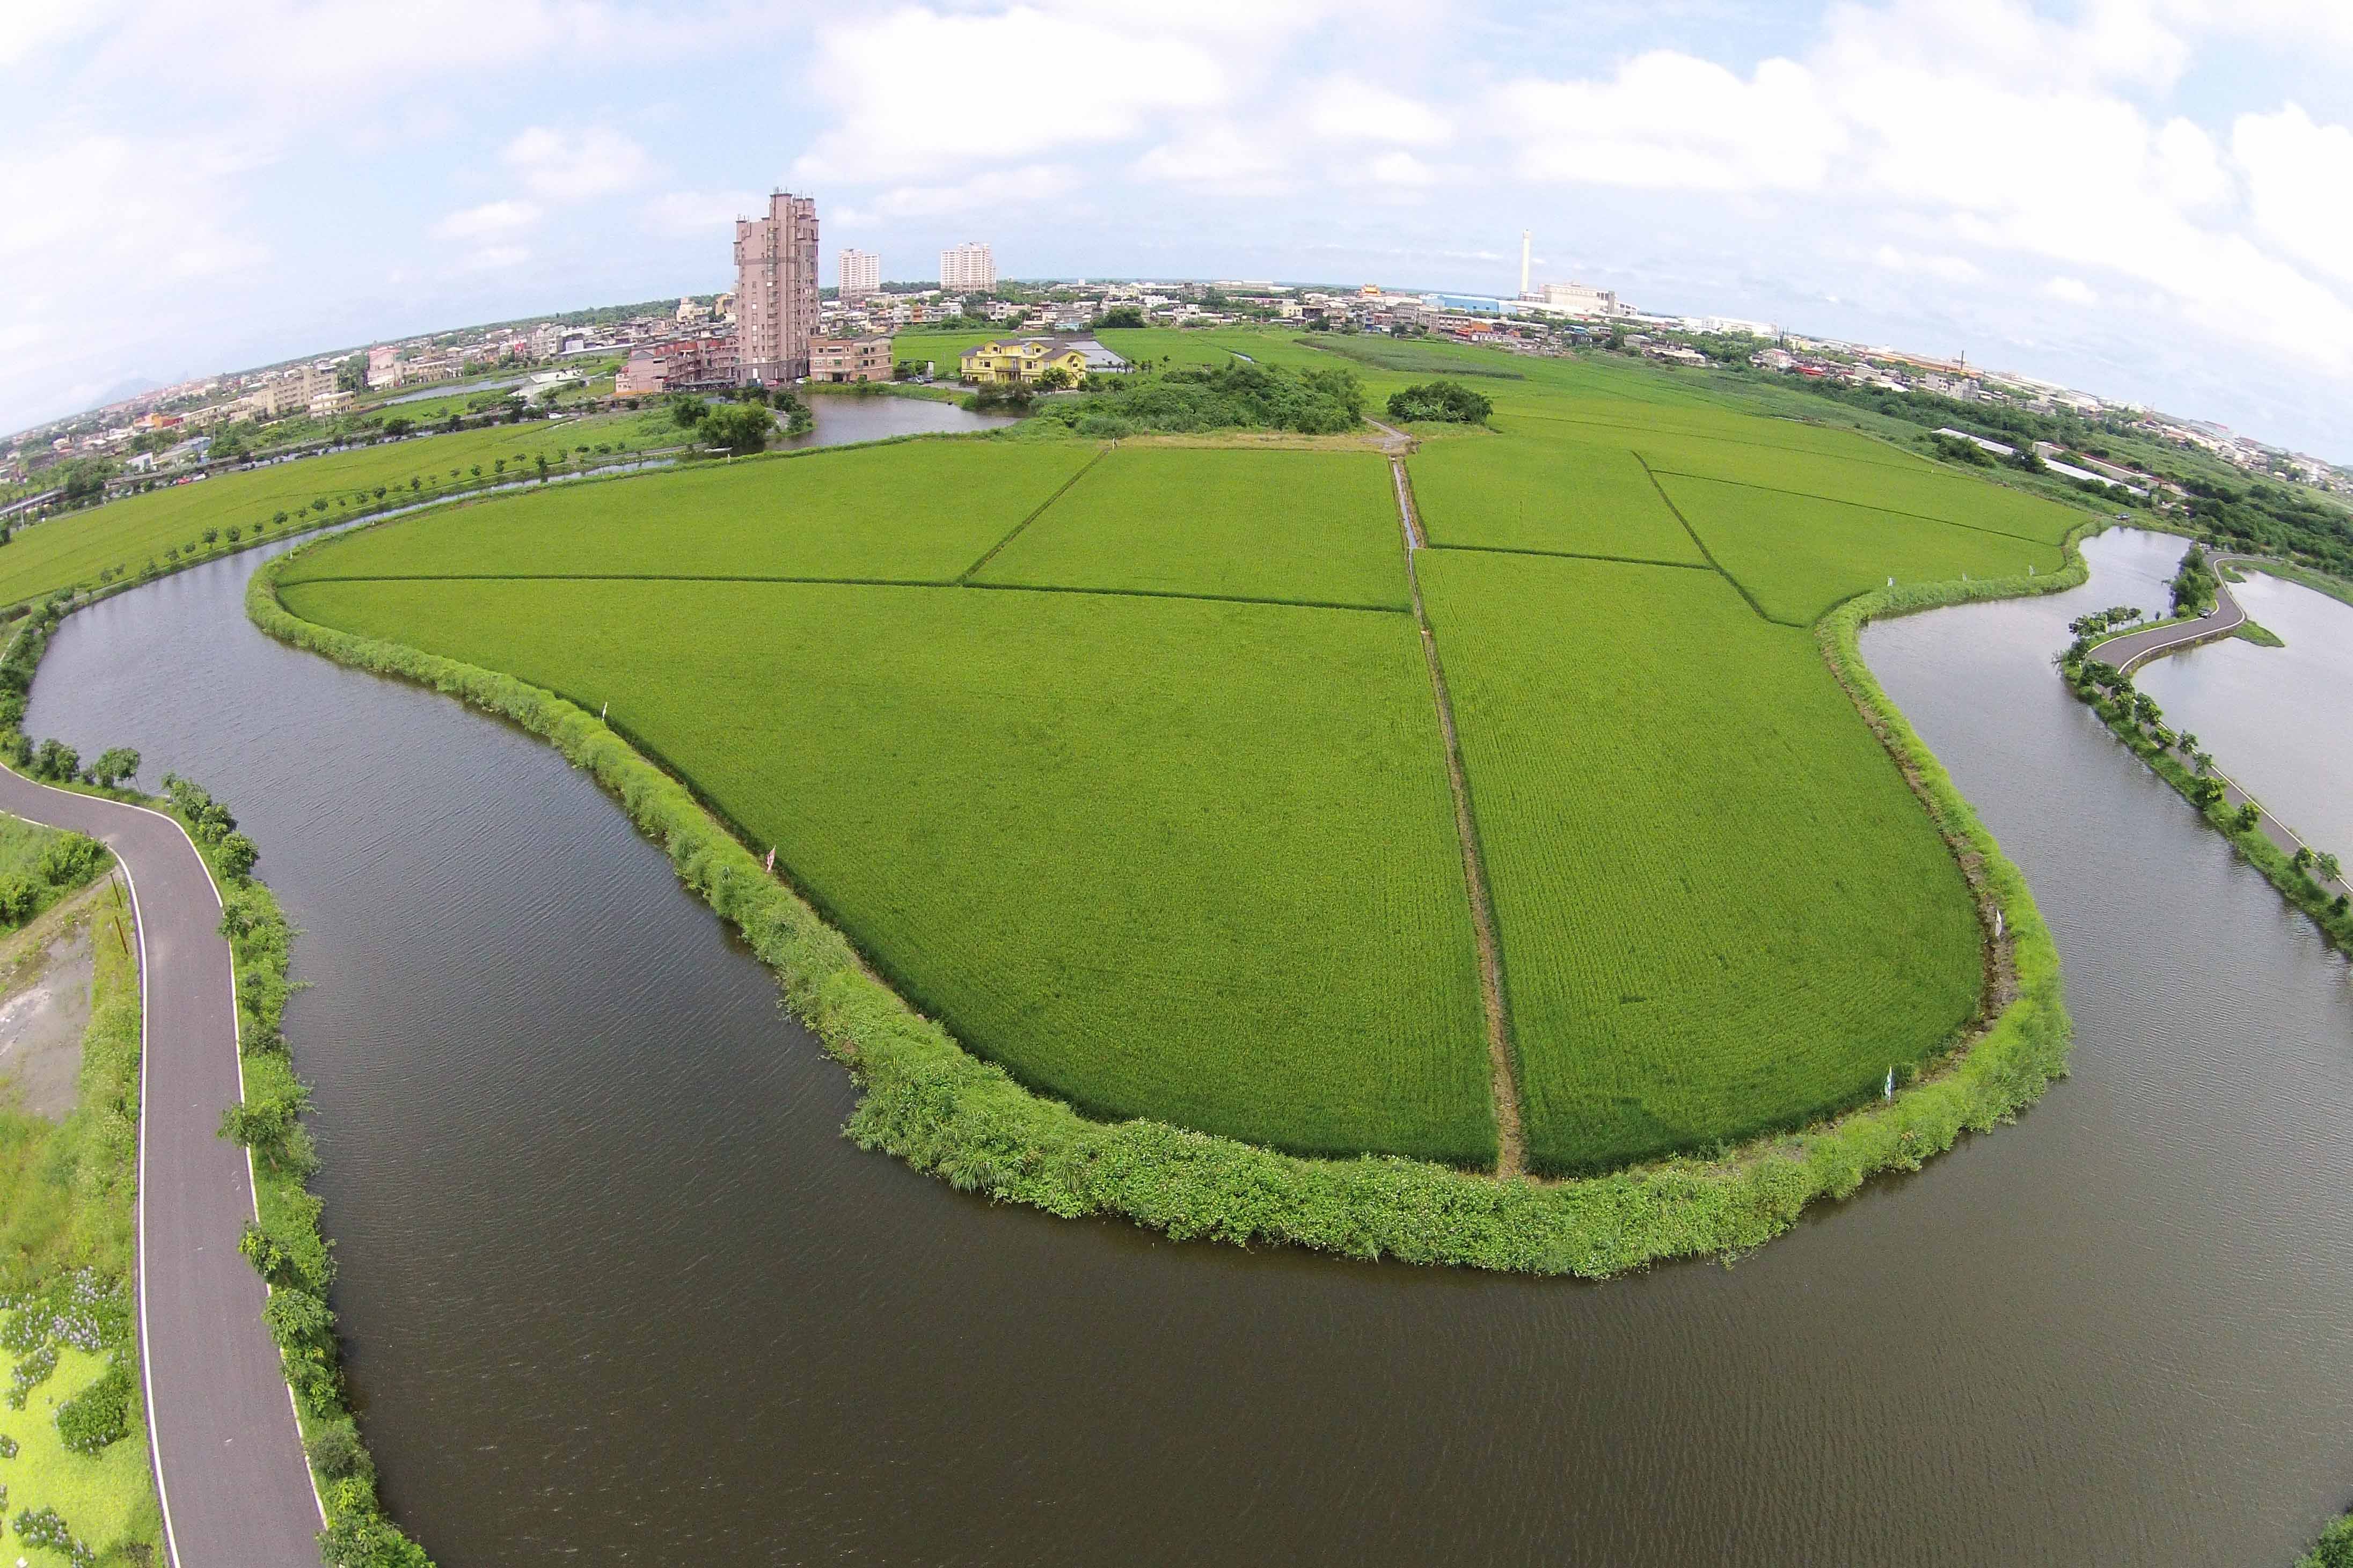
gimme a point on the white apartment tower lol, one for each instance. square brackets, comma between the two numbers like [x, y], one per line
[775, 291]
[859, 273]
[968, 269]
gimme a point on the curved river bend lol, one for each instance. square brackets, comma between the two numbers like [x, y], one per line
[615, 1288]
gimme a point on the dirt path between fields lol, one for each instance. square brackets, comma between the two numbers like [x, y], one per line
[1511, 1142]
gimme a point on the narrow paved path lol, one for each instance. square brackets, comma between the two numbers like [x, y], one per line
[2139, 648]
[2136, 649]
[228, 1456]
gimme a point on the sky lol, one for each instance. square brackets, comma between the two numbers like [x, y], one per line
[2148, 199]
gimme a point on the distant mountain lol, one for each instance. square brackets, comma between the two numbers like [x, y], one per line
[123, 389]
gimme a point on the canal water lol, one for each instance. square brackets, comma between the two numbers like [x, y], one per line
[2276, 719]
[618, 1290]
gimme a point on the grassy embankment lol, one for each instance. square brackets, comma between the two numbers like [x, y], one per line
[73, 1442]
[166, 528]
[1093, 956]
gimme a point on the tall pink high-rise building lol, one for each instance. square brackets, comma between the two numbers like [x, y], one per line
[775, 291]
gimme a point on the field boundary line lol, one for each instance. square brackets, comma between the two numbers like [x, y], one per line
[1858, 505]
[1574, 556]
[1717, 566]
[1502, 1066]
[851, 583]
[619, 577]
[1175, 593]
[965, 577]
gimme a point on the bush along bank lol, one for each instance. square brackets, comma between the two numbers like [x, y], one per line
[286, 1247]
[2312, 882]
[943, 1111]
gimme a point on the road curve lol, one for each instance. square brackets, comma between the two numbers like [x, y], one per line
[236, 1488]
[2139, 648]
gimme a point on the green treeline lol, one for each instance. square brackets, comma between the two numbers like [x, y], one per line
[1232, 396]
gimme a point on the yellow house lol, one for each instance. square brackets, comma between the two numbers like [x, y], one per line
[1025, 360]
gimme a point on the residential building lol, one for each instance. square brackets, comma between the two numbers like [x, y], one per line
[1025, 360]
[860, 274]
[849, 359]
[689, 311]
[328, 402]
[775, 289]
[643, 374]
[547, 339]
[968, 268]
[384, 365]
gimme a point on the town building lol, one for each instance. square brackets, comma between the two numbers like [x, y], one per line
[775, 291]
[1577, 299]
[547, 339]
[859, 275]
[1026, 360]
[849, 359]
[678, 364]
[384, 365]
[968, 268]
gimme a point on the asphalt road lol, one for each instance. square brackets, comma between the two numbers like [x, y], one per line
[228, 1456]
[2139, 648]
[2128, 652]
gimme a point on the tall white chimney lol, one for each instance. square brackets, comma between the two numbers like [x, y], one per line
[1524, 264]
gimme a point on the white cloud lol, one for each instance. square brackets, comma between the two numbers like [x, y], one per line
[1402, 169]
[490, 218]
[699, 212]
[1345, 108]
[2071, 292]
[493, 258]
[1218, 157]
[2300, 185]
[1951, 268]
[560, 166]
[891, 78]
[1670, 120]
[997, 188]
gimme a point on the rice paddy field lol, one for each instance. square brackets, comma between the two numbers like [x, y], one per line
[1125, 764]
[73, 548]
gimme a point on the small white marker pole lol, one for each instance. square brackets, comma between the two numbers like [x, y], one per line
[1889, 1092]
[1891, 582]
[1997, 925]
[772, 859]
[608, 707]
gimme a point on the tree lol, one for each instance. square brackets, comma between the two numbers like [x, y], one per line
[2326, 867]
[739, 428]
[1120, 316]
[56, 761]
[399, 425]
[2302, 859]
[1442, 400]
[237, 854]
[498, 466]
[2247, 818]
[688, 412]
[2187, 742]
[543, 467]
[1053, 378]
[113, 765]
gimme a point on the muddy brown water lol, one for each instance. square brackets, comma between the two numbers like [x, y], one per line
[616, 1290]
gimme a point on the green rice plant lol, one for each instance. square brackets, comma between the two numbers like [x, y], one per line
[1796, 555]
[1522, 492]
[1722, 913]
[1160, 858]
[912, 510]
[74, 547]
[1305, 527]
[1890, 483]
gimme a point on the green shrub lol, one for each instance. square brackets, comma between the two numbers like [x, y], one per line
[98, 1415]
[1443, 401]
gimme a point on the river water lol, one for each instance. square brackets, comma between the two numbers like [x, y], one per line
[2276, 719]
[616, 1289]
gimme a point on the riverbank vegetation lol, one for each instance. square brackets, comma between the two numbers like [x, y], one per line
[2309, 880]
[1234, 395]
[73, 1446]
[1114, 829]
